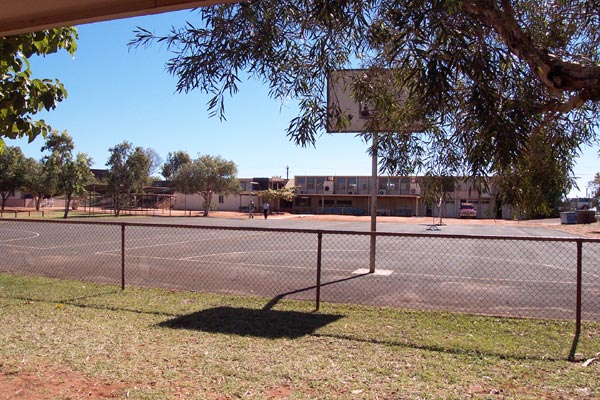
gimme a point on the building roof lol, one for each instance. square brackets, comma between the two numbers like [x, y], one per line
[22, 16]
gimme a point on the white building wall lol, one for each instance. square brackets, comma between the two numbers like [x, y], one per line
[195, 202]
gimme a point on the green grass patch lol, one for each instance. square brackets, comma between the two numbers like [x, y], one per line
[50, 214]
[164, 344]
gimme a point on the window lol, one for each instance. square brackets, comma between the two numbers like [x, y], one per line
[340, 185]
[301, 183]
[363, 184]
[352, 186]
[393, 185]
[302, 201]
[320, 182]
[326, 203]
[310, 185]
[221, 199]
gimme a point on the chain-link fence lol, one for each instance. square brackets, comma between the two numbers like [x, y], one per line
[503, 276]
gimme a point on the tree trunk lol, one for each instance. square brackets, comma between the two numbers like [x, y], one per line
[207, 199]
[117, 205]
[4, 198]
[67, 204]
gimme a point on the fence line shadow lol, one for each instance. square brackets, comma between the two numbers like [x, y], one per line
[275, 300]
[270, 324]
[439, 348]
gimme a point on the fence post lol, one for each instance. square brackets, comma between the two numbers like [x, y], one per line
[123, 256]
[578, 306]
[319, 246]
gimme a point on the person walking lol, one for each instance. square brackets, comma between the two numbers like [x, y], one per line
[266, 209]
[251, 209]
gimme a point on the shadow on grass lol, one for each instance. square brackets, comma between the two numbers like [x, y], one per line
[74, 303]
[440, 348]
[269, 324]
[275, 300]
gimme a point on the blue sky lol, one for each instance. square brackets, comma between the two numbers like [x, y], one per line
[117, 93]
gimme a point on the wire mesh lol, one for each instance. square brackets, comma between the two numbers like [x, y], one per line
[517, 277]
[232, 261]
[505, 277]
[65, 251]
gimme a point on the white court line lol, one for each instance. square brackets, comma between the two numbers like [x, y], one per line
[378, 272]
[216, 262]
[473, 278]
[33, 235]
[495, 259]
[456, 277]
[73, 246]
[283, 251]
[383, 272]
[195, 258]
[163, 244]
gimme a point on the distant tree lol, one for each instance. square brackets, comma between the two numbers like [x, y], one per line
[174, 162]
[594, 186]
[37, 182]
[129, 169]
[75, 177]
[21, 95]
[155, 161]
[207, 175]
[274, 196]
[436, 190]
[184, 181]
[12, 172]
[66, 174]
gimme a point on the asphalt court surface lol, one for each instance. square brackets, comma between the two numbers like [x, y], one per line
[499, 277]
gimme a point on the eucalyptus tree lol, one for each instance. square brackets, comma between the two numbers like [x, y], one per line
[206, 176]
[594, 186]
[67, 174]
[12, 172]
[484, 76]
[128, 173]
[175, 160]
[436, 190]
[275, 196]
[37, 181]
[155, 161]
[22, 95]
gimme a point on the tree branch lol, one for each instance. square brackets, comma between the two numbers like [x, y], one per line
[558, 75]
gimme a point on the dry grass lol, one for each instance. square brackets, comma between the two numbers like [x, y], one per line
[156, 344]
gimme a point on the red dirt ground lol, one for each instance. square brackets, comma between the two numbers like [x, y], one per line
[47, 382]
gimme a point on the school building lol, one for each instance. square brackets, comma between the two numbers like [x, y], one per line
[351, 195]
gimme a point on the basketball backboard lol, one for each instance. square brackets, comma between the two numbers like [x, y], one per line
[346, 114]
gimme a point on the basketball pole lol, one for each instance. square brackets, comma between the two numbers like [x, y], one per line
[373, 246]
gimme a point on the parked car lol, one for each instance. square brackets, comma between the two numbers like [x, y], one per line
[467, 210]
[581, 203]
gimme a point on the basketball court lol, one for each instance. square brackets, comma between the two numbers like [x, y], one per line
[494, 276]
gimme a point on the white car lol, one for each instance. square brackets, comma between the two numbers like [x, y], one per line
[467, 210]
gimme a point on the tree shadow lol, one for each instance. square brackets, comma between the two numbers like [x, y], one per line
[269, 324]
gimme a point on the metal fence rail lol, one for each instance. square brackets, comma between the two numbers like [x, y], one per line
[504, 276]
